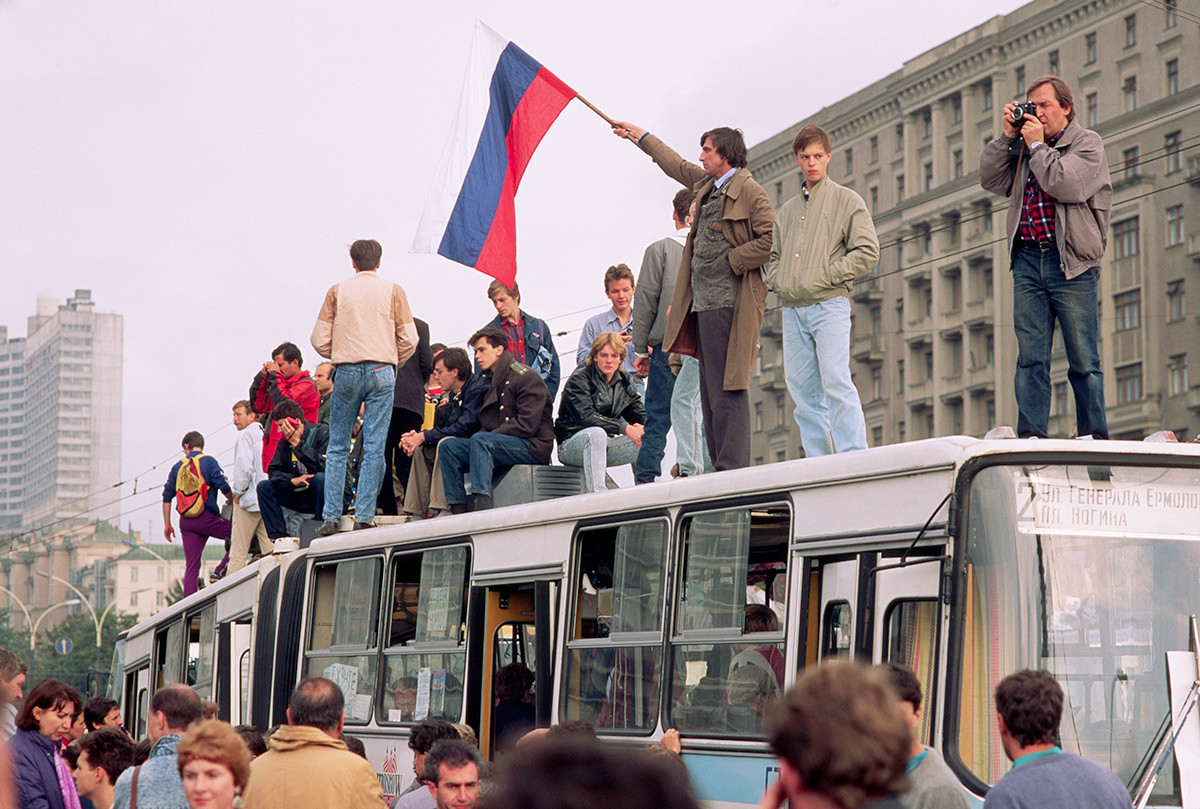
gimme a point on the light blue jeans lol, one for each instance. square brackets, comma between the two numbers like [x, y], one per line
[691, 450]
[358, 383]
[816, 361]
[595, 450]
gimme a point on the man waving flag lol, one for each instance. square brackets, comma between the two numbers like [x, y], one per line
[508, 103]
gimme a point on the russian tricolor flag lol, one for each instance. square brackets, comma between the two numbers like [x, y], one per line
[508, 103]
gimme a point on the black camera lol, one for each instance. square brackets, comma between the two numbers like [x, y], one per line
[1021, 110]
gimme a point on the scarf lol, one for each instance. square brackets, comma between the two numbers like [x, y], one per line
[66, 783]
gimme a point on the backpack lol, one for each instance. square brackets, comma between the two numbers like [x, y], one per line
[191, 489]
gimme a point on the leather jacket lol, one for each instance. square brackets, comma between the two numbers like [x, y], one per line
[589, 400]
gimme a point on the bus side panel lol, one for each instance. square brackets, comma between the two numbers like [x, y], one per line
[264, 651]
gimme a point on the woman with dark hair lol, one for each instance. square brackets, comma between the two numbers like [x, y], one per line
[601, 417]
[46, 717]
[214, 764]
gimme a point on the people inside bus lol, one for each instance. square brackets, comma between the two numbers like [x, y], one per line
[761, 618]
[931, 784]
[307, 765]
[404, 698]
[104, 753]
[46, 716]
[513, 716]
[516, 425]
[747, 693]
[173, 709]
[601, 418]
[457, 415]
[296, 476]
[214, 764]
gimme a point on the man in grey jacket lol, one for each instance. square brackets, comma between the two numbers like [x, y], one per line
[656, 287]
[1055, 174]
[823, 239]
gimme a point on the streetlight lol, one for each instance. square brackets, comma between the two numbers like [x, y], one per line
[13, 597]
[99, 622]
[146, 547]
[70, 602]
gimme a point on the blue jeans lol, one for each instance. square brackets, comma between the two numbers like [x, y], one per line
[595, 450]
[481, 454]
[660, 384]
[358, 383]
[1041, 293]
[272, 499]
[816, 362]
[691, 449]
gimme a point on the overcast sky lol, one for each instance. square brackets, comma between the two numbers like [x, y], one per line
[203, 167]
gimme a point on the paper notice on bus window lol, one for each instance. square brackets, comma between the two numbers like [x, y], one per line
[395, 715]
[359, 707]
[424, 677]
[1053, 502]
[345, 676]
[437, 613]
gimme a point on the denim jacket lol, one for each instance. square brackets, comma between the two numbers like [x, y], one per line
[539, 350]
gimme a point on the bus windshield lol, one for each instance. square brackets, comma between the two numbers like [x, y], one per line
[1089, 572]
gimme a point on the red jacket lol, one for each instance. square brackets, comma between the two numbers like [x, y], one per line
[269, 390]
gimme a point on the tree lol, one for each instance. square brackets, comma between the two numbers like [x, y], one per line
[78, 667]
[15, 640]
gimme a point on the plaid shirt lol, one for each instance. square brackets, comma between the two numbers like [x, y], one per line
[515, 332]
[1037, 208]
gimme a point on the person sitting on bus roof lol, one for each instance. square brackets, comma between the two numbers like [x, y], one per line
[296, 476]
[307, 765]
[515, 420]
[457, 415]
[601, 418]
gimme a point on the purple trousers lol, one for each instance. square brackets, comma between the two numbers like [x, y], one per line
[196, 532]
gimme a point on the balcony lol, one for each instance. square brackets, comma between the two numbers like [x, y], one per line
[772, 378]
[867, 290]
[980, 379]
[868, 349]
[1193, 247]
[1193, 169]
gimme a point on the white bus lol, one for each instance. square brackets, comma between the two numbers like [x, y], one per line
[962, 559]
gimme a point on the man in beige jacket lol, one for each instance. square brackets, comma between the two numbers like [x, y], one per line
[823, 239]
[307, 765]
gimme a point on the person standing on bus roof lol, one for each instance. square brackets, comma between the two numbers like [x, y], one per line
[366, 329]
[172, 710]
[1029, 708]
[307, 765]
[202, 478]
[931, 783]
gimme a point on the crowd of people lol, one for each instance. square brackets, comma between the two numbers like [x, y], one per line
[845, 736]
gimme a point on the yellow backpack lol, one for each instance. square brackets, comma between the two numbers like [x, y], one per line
[191, 489]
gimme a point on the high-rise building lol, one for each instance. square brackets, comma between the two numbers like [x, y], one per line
[933, 350]
[60, 416]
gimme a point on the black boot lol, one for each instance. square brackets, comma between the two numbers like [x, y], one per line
[458, 508]
[479, 502]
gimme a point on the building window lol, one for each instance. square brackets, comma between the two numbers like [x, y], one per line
[1061, 402]
[779, 409]
[1125, 238]
[877, 383]
[1130, 30]
[900, 377]
[957, 160]
[1128, 309]
[133, 573]
[849, 162]
[874, 192]
[1090, 41]
[1129, 93]
[1176, 301]
[927, 123]
[928, 176]
[899, 136]
[956, 109]
[986, 91]
[1177, 374]
[1172, 68]
[1174, 150]
[1053, 63]
[133, 598]
[877, 436]
[899, 187]
[1020, 78]
[160, 600]
[901, 431]
[759, 425]
[876, 320]
[1093, 109]
[1172, 17]
[160, 576]
[1174, 225]
[1129, 384]
[1130, 158]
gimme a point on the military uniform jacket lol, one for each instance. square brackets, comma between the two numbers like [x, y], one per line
[519, 404]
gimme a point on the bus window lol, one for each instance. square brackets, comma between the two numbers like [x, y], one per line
[614, 651]
[201, 645]
[342, 641]
[910, 638]
[728, 643]
[168, 655]
[836, 630]
[425, 659]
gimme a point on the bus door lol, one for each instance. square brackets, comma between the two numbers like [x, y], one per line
[233, 669]
[516, 621]
[837, 588]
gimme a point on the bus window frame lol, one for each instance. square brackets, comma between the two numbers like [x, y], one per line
[659, 639]
[675, 638]
[929, 691]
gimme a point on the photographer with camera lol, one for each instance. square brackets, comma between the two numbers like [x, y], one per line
[1055, 174]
